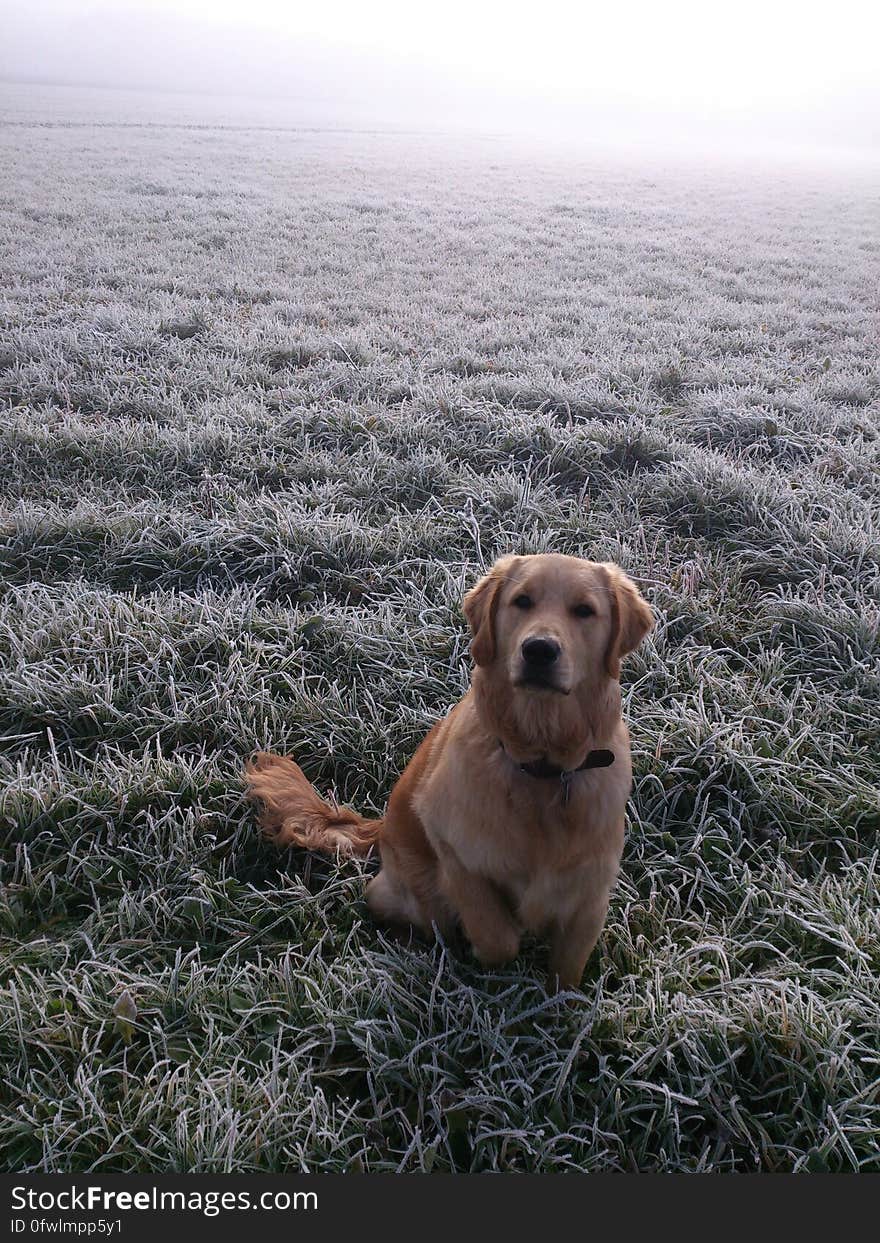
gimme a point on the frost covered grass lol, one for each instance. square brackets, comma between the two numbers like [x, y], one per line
[268, 402]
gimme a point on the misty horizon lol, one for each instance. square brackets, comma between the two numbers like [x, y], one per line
[607, 89]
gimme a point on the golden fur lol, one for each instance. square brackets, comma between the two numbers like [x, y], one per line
[468, 838]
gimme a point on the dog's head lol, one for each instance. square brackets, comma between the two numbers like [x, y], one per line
[550, 625]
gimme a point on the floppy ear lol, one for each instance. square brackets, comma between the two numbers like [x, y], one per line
[631, 618]
[480, 606]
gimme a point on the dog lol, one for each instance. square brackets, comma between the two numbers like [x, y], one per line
[510, 816]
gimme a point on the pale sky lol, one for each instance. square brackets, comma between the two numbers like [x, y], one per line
[800, 71]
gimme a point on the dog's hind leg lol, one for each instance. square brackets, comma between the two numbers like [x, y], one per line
[391, 903]
[413, 901]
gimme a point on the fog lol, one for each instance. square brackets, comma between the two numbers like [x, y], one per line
[757, 74]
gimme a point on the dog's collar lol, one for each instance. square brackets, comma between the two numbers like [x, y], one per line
[544, 770]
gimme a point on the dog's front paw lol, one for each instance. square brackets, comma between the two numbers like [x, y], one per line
[497, 946]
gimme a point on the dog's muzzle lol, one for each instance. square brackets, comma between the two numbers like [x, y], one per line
[540, 660]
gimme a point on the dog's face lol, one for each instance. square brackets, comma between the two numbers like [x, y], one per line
[551, 624]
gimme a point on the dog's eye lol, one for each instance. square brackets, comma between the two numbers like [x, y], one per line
[522, 601]
[583, 610]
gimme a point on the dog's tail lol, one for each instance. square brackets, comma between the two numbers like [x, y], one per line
[294, 814]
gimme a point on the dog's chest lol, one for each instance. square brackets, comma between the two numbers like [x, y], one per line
[521, 833]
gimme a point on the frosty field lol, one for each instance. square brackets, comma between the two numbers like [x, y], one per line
[269, 400]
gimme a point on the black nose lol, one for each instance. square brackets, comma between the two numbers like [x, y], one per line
[540, 652]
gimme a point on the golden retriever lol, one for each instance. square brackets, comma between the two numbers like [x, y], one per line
[509, 818]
